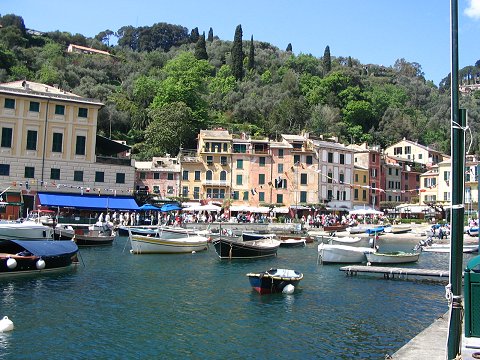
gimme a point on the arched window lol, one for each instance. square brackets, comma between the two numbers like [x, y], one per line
[209, 175]
[223, 175]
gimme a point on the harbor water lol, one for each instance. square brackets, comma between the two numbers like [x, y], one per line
[116, 305]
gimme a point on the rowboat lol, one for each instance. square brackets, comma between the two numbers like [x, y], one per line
[157, 244]
[231, 249]
[333, 253]
[274, 280]
[396, 257]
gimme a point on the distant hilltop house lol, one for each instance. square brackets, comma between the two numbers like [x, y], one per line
[85, 50]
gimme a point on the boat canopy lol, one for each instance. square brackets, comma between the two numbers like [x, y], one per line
[47, 247]
[88, 201]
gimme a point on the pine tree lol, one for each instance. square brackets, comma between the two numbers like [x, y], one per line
[194, 35]
[289, 47]
[251, 56]
[237, 54]
[210, 35]
[327, 61]
[201, 48]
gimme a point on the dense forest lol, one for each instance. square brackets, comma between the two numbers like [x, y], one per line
[163, 83]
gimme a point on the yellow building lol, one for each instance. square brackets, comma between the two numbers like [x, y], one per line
[413, 151]
[360, 185]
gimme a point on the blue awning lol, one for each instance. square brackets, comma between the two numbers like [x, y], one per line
[90, 202]
[48, 247]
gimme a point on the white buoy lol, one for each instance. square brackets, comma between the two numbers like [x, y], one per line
[40, 264]
[194, 252]
[6, 324]
[289, 289]
[11, 263]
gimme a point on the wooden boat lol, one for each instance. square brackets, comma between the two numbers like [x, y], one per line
[94, 235]
[396, 257]
[292, 243]
[307, 238]
[332, 253]
[230, 249]
[274, 280]
[398, 229]
[63, 232]
[357, 229]
[335, 227]
[375, 230]
[144, 244]
[35, 256]
[24, 230]
[246, 236]
[343, 240]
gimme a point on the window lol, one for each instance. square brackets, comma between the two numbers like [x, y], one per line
[156, 176]
[82, 112]
[341, 178]
[342, 158]
[34, 106]
[196, 192]
[9, 104]
[239, 179]
[7, 137]
[261, 179]
[235, 195]
[57, 142]
[356, 178]
[309, 160]
[207, 147]
[280, 168]
[261, 161]
[279, 198]
[197, 175]
[389, 171]
[209, 160]
[239, 164]
[31, 140]
[78, 175]
[185, 175]
[29, 172]
[225, 148]
[261, 196]
[142, 176]
[120, 178]
[99, 176]
[59, 109]
[80, 145]
[364, 179]
[420, 156]
[355, 194]
[280, 153]
[185, 191]
[330, 177]
[4, 170]
[303, 179]
[245, 195]
[374, 158]
[330, 157]
[156, 189]
[209, 175]
[446, 175]
[223, 175]
[296, 159]
[303, 196]
[364, 194]
[169, 189]
[329, 195]
[54, 174]
[223, 160]
[240, 148]
[170, 176]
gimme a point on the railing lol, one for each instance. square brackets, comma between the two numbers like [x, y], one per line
[216, 183]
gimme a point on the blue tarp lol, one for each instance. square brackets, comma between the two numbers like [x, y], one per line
[48, 247]
[91, 202]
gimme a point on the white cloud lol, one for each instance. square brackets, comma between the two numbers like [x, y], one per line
[473, 9]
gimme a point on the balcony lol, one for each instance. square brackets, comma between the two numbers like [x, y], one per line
[216, 183]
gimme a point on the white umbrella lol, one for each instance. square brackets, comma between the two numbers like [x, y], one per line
[365, 212]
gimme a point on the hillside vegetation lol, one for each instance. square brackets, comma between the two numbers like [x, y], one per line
[163, 83]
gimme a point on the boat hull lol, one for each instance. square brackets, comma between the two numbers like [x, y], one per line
[274, 280]
[343, 254]
[86, 240]
[398, 257]
[290, 243]
[155, 245]
[24, 231]
[228, 249]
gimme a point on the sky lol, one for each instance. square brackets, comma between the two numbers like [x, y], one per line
[372, 31]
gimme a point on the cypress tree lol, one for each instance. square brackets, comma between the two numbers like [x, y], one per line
[251, 56]
[237, 54]
[349, 62]
[327, 61]
[194, 35]
[201, 48]
[210, 35]
[289, 47]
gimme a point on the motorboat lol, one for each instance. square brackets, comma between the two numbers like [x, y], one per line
[428, 245]
[99, 234]
[292, 242]
[24, 230]
[254, 249]
[344, 240]
[158, 244]
[248, 236]
[274, 280]
[336, 253]
[35, 256]
[395, 257]
[63, 232]
[398, 229]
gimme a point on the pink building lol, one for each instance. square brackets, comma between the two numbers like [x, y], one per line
[161, 177]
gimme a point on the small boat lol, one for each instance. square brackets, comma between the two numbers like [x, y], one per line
[344, 240]
[335, 227]
[357, 229]
[99, 234]
[231, 249]
[445, 248]
[35, 256]
[274, 280]
[63, 232]
[332, 253]
[398, 229]
[24, 230]
[256, 236]
[145, 244]
[472, 231]
[375, 230]
[292, 243]
[396, 257]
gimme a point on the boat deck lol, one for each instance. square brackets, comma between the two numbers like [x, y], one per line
[390, 272]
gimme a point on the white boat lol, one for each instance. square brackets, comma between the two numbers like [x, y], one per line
[398, 229]
[357, 229]
[330, 253]
[445, 248]
[11, 230]
[142, 244]
[396, 257]
[344, 240]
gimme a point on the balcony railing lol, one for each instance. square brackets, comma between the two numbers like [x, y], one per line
[216, 183]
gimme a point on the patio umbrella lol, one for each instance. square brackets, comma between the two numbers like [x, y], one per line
[170, 207]
[365, 212]
[148, 207]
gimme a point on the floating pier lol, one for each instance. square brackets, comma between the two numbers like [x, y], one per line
[392, 272]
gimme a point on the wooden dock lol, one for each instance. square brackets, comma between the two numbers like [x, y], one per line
[392, 272]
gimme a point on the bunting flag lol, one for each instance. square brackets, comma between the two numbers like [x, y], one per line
[254, 192]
